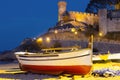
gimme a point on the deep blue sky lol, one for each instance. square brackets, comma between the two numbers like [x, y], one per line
[20, 19]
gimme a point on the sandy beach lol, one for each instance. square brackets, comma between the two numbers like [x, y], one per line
[11, 71]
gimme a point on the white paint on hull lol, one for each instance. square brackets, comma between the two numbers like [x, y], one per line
[85, 59]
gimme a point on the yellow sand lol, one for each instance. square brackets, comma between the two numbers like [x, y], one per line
[6, 79]
[110, 65]
[11, 71]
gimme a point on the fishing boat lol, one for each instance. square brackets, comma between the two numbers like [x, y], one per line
[75, 61]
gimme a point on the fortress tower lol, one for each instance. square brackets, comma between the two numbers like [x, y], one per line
[102, 21]
[61, 9]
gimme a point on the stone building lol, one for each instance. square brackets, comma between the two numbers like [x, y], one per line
[109, 21]
[64, 15]
[73, 19]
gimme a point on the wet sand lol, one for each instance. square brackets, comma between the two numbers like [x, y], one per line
[13, 73]
[9, 66]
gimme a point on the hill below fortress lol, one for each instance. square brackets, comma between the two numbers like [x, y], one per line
[70, 39]
[63, 39]
[66, 35]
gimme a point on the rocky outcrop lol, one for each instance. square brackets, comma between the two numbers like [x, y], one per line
[7, 56]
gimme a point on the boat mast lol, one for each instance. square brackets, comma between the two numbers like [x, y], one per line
[90, 43]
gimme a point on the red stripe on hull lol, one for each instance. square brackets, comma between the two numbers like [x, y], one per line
[82, 69]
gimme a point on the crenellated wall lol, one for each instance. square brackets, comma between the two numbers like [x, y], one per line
[88, 18]
[109, 21]
[84, 17]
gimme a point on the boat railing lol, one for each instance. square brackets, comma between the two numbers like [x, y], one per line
[59, 49]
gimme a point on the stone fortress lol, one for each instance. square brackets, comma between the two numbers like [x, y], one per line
[107, 21]
[75, 18]
[88, 18]
[78, 16]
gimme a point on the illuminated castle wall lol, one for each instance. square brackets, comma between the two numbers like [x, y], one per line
[109, 21]
[78, 16]
[84, 17]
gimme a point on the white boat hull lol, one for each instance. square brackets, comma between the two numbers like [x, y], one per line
[76, 62]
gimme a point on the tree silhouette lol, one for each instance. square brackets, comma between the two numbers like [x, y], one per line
[29, 45]
[95, 5]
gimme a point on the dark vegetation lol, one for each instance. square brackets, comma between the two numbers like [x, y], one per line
[95, 5]
[29, 45]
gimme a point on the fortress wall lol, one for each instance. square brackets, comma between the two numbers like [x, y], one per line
[113, 25]
[107, 24]
[84, 17]
[108, 46]
[102, 21]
